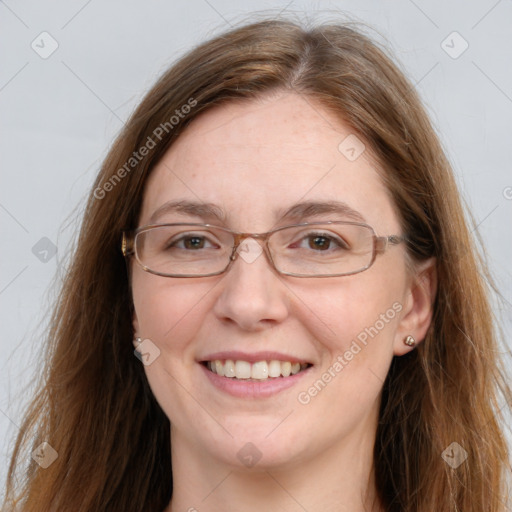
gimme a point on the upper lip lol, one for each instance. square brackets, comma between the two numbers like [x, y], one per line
[254, 357]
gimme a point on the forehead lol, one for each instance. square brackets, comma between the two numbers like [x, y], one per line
[258, 157]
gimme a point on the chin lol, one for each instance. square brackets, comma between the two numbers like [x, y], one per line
[257, 447]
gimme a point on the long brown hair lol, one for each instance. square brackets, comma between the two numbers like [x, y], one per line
[95, 407]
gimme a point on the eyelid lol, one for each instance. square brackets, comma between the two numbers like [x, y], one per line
[316, 231]
[204, 233]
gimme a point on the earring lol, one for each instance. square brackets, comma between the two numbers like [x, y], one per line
[137, 341]
[410, 341]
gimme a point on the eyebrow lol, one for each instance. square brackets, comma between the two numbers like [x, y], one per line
[296, 213]
[306, 209]
[204, 211]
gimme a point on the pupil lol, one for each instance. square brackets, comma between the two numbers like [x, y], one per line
[319, 242]
[194, 242]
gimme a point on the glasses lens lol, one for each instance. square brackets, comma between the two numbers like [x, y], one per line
[322, 249]
[183, 249]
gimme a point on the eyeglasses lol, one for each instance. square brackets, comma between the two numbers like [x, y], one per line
[318, 249]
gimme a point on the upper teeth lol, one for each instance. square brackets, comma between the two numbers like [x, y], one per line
[260, 370]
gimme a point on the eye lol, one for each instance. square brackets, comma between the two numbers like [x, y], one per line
[190, 241]
[321, 242]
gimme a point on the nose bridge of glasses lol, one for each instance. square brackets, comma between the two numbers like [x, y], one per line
[240, 237]
[252, 251]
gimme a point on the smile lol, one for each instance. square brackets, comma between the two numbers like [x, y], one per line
[260, 370]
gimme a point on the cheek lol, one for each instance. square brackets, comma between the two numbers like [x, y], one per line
[170, 314]
[355, 308]
[355, 324]
[168, 311]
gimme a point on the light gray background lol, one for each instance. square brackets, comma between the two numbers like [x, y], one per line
[60, 114]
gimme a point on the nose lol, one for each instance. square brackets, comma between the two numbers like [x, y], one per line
[253, 294]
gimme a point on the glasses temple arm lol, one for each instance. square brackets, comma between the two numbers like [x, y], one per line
[127, 246]
[382, 242]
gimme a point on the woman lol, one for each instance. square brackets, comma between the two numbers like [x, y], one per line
[309, 316]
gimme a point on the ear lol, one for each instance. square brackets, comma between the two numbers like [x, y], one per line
[418, 306]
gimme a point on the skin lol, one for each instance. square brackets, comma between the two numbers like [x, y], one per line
[250, 158]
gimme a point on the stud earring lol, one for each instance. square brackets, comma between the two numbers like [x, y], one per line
[137, 341]
[410, 341]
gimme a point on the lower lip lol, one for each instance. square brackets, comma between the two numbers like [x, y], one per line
[253, 388]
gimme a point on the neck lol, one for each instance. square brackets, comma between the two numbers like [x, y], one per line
[339, 478]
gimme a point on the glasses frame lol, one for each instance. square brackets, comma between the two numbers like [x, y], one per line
[380, 245]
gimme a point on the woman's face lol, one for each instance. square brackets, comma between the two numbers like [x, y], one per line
[253, 160]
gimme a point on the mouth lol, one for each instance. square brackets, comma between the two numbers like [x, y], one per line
[257, 371]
